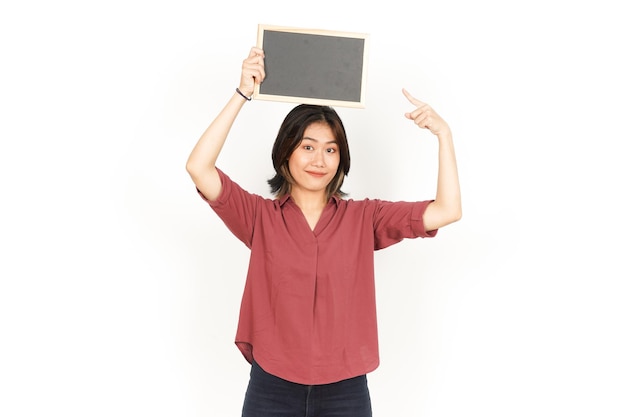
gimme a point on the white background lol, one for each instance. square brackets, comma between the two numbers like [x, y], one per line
[120, 288]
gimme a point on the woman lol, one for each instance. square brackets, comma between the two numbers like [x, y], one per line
[307, 321]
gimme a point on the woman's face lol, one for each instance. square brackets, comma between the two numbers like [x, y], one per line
[313, 164]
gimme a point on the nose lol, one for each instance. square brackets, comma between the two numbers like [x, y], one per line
[318, 158]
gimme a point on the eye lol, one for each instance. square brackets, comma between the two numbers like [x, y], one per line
[307, 147]
[331, 150]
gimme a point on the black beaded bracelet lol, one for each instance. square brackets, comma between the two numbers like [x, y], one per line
[242, 94]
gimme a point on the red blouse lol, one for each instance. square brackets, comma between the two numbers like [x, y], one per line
[308, 311]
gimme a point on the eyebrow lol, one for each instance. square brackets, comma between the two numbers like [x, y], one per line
[316, 140]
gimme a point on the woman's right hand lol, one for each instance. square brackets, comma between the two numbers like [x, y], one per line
[252, 71]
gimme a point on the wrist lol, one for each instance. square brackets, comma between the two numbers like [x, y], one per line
[247, 97]
[444, 136]
[443, 131]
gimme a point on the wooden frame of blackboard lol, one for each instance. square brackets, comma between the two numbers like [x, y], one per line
[313, 66]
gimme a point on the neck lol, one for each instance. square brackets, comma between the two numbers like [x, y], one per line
[309, 200]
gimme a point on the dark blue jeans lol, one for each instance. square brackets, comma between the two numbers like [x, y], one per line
[270, 396]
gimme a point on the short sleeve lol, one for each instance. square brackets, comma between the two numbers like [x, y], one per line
[398, 220]
[236, 207]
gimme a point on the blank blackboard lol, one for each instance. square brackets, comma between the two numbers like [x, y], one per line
[313, 66]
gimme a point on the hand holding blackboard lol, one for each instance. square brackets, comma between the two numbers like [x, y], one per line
[252, 73]
[313, 66]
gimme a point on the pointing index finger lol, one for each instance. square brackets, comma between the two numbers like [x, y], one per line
[411, 98]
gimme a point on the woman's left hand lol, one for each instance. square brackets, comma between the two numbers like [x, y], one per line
[425, 117]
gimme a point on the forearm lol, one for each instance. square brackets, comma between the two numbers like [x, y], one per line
[448, 187]
[446, 208]
[207, 149]
[203, 157]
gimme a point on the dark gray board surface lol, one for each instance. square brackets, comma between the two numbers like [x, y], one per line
[320, 67]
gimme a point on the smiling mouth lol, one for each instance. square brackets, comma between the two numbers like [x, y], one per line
[316, 174]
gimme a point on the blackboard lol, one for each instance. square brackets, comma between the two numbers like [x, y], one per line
[313, 66]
